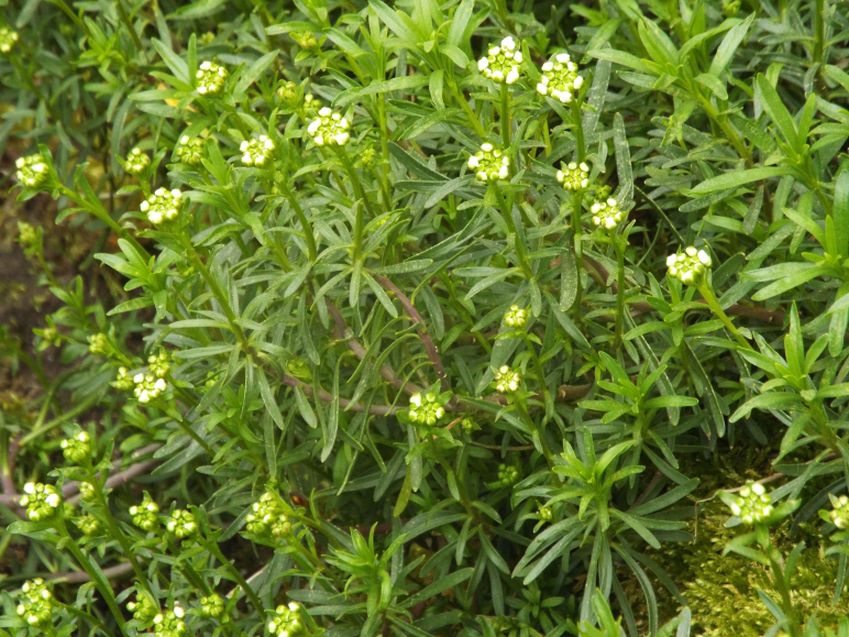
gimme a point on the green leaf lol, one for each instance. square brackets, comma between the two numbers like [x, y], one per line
[778, 113]
[737, 178]
[253, 73]
[438, 587]
[174, 62]
[729, 45]
[841, 211]
[713, 84]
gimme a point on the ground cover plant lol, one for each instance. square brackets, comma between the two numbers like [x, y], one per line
[424, 318]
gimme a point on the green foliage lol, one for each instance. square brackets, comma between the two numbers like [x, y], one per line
[364, 336]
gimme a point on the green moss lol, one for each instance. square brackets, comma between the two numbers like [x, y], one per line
[722, 590]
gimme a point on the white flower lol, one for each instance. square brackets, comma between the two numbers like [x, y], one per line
[490, 163]
[607, 214]
[32, 170]
[189, 150]
[507, 380]
[502, 62]
[136, 161]
[575, 176]
[40, 500]
[425, 409]
[560, 78]
[162, 205]
[329, 128]
[752, 504]
[839, 514]
[210, 77]
[8, 37]
[286, 620]
[148, 386]
[688, 266]
[256, 151]
[516, 316]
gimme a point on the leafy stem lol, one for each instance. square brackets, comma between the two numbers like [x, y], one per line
[708, 295]
[94, 573]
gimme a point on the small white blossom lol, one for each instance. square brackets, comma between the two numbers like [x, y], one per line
[425, 409]
[31, 170]
[839, 515]
[77, 448]
[35, 605]
[162, 205]
[136, 161]
[40, 500]
[607, 214]
[329, 128]
[189, 150]
[148, 386]
[752, 504]
[286, 620]
[181, 524]
[170, 623]
[575, 176]
[507, 380]
[210, 77]
[688, 266]
[502, 62]
[145, 514]
[560, 78]
[490, 163]
[516, 316]
[256, 151]
[8, 38]
[268, 516]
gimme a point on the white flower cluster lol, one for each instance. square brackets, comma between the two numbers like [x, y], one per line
[839, 514]
[31, 170]
[35, 605]
[286, 620]
[425, 409]
[189, 150]
[560, 78]
[137, 160]
[268, 516]
[490, 163]
[145, 514]
[575, 176]
[147, 387]
[8, 37]
[41, 500]
[77, 448]
[329, 128]
[256, 151]
[752, 504]
[688, 266]
[123, 381]
[159, 364]
[607, 214]
[162, 205]
[501, 62]
[170, 623]
[516, 316]
[507, 380]
[210, 77]
[181, 524]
